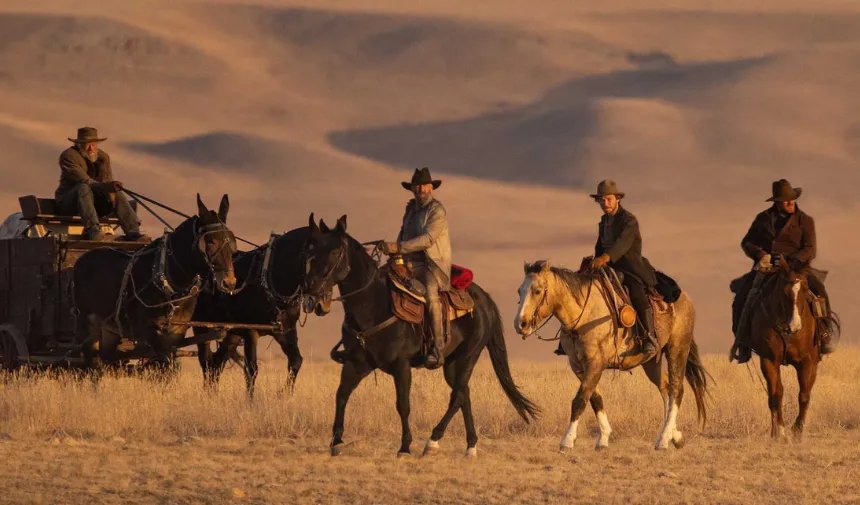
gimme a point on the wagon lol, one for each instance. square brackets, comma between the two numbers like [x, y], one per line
[37, 324]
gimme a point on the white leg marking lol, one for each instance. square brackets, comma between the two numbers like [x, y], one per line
[605, 430]
[471, 452]
[796, 323]
[432, 444]
[570, 437]
[669, 427]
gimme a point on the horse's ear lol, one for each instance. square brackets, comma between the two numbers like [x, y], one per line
[324, 227]
[525, 267]
[546, 265]
[340, 226]
[312, 225]
[224, 208]
[201, 208]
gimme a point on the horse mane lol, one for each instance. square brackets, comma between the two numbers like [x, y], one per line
[574, 281]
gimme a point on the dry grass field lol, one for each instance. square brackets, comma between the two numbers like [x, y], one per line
[135, 441]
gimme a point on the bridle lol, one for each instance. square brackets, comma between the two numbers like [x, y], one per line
[533, 321]
[344, 257]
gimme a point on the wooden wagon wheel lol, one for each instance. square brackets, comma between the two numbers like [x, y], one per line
[13, 347]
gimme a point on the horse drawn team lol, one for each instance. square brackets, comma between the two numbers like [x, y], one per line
[420, 310]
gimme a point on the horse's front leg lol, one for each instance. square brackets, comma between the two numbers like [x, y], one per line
[587, 386]
[350, 376]
[289, 342]
[402, 374]
[249, 339]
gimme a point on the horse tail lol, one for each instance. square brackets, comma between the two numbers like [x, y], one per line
[499, 357]
[697, 377]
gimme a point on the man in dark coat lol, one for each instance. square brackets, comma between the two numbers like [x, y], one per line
[619, 245]
[784, 230]
[87, 188]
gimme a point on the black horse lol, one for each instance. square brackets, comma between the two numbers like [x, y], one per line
[268, 278]
[143, 295]
[373, 339]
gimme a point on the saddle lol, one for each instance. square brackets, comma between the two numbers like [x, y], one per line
[408, 293]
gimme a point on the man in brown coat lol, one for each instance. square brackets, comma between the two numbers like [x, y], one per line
[785, 230]
[87, 188]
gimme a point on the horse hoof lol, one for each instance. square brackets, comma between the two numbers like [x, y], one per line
[599, 447]
[401, 454]
[661, 446]
[471, 453]
[564, 449]
[680, 443]
[431, 448]
[337, 450]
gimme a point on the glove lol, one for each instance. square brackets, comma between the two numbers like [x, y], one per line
[109, 187]
[390, 248]
[600, 261]
[764, 262]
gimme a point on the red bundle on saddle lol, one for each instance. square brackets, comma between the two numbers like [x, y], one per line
[461, 278]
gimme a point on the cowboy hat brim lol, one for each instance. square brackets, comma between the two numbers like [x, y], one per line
[596, 196]
[408, 185]
[85, 141]
[786, 198]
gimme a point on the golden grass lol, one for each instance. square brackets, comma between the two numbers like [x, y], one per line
[134, 441]
[147, 410]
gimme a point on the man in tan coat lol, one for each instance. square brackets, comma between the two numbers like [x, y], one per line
[425, 244]
[87, 187]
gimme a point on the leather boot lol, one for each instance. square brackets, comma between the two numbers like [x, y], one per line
[825, 333]
[94, 233]
[649, 337]
[435, 358]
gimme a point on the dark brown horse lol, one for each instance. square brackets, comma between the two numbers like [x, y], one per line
[783, 332]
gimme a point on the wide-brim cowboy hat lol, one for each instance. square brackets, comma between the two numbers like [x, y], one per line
[607, 187]
[421, 177]
[784, 192]
[86, 135]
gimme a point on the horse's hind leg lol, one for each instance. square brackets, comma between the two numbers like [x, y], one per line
[457, 374]
[658, 376]
[350, 376]
[676, 363]
[770, 370]
[806, 373]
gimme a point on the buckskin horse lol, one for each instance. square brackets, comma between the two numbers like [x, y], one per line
[269, 279]
[594, 343]
[143, 295]
[375, 338]
[782, 332]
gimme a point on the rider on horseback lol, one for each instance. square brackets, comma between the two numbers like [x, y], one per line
[784, 230]
[426, 245]
[619, 245]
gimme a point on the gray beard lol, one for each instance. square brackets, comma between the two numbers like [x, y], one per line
[91, 157]
[423, 199]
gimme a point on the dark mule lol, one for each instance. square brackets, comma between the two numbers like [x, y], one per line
[268, 278]
[335, 258]
[141, 296]
[783, 332]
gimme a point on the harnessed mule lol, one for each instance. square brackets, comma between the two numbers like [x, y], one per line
[141, 296]
[269, 279]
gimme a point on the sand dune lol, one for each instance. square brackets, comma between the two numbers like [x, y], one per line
[296, 107]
